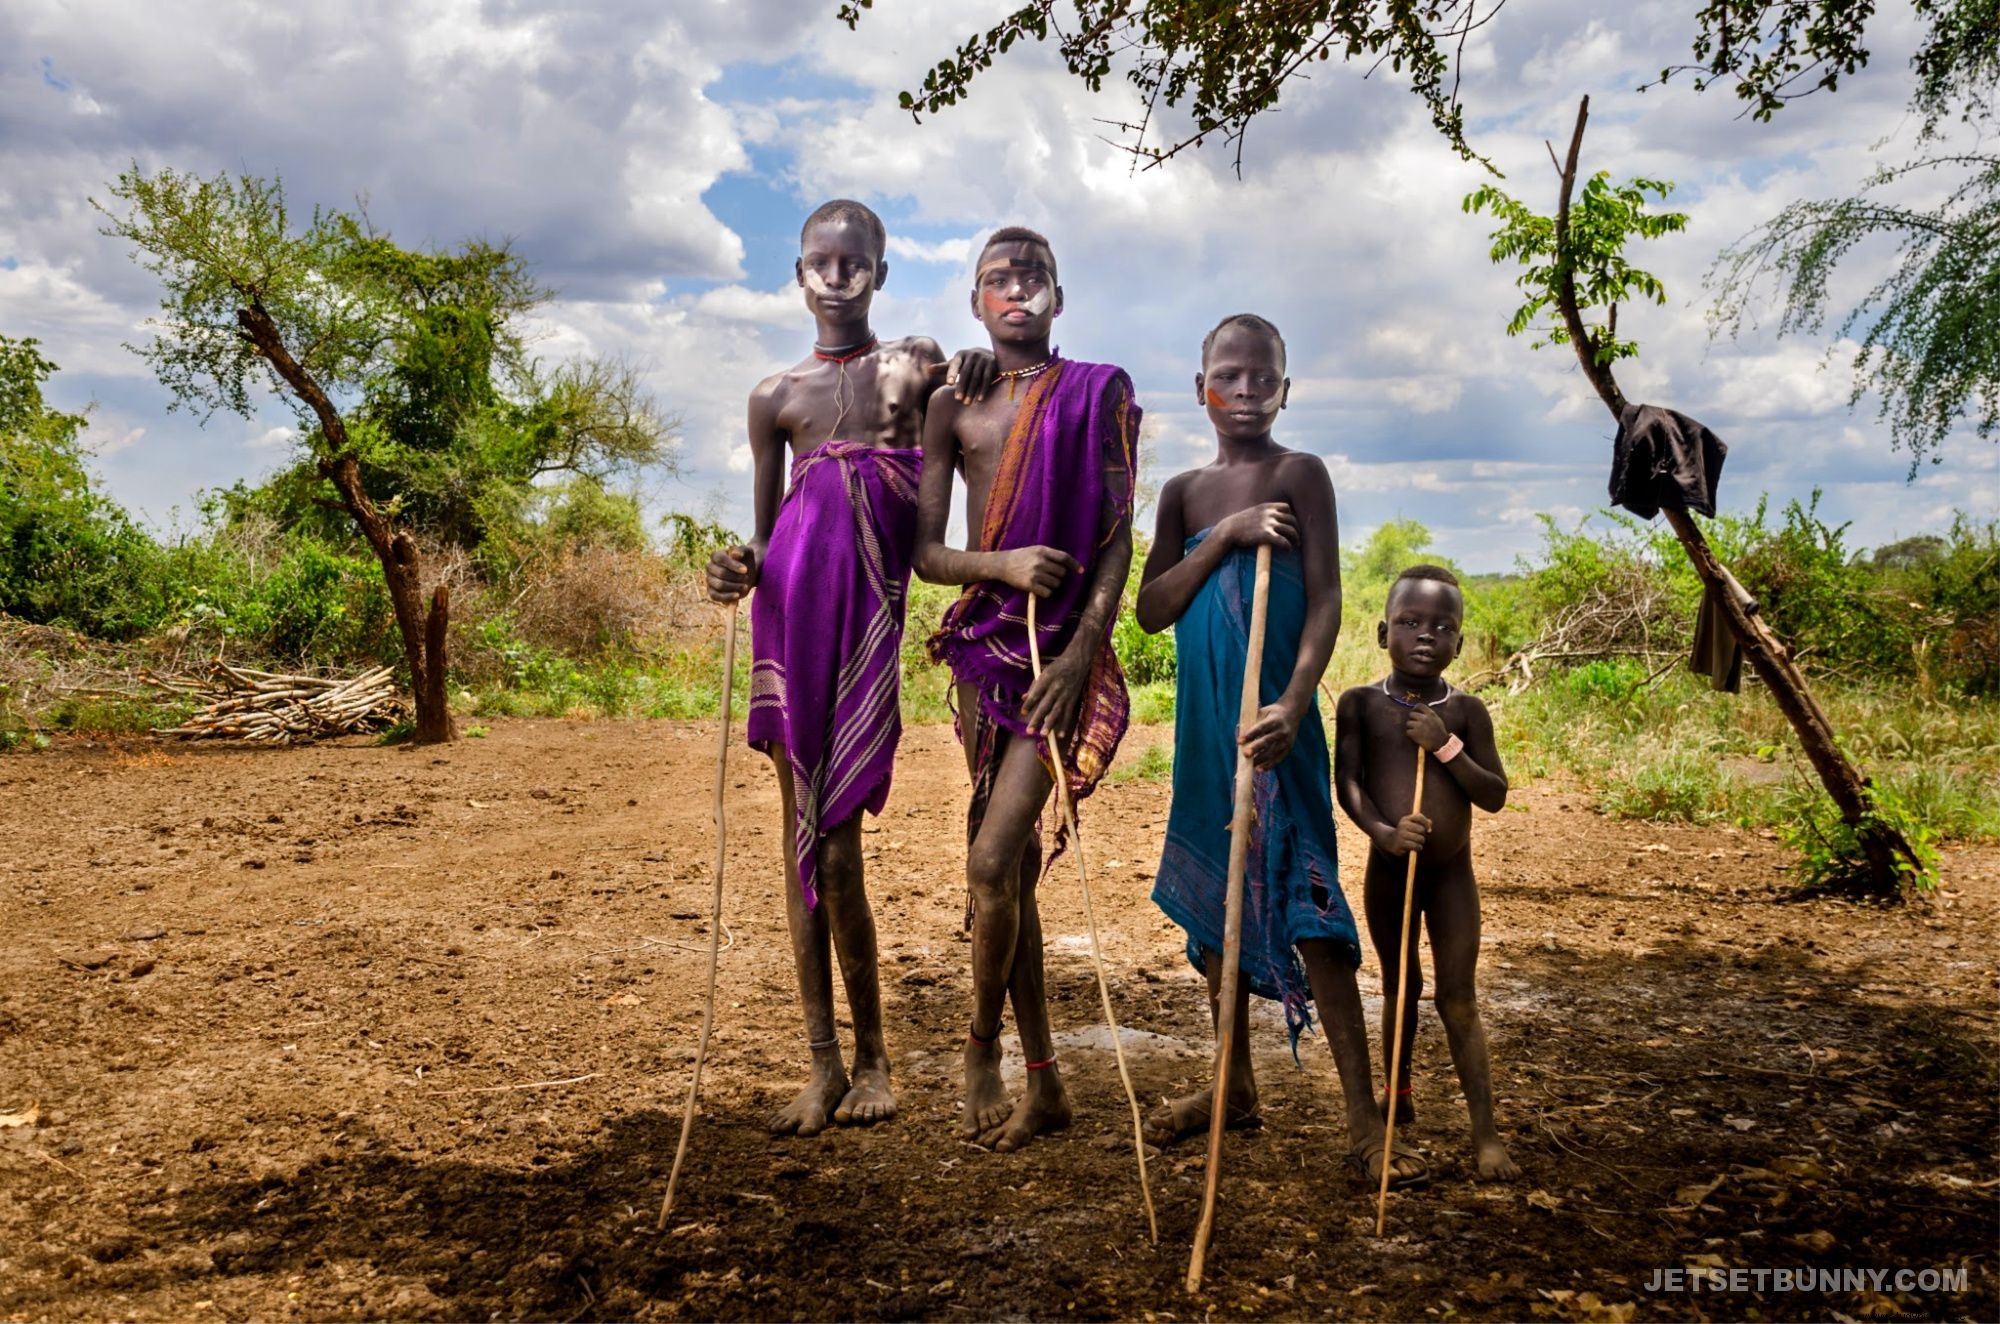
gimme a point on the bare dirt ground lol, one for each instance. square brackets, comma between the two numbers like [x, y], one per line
[289, 1019]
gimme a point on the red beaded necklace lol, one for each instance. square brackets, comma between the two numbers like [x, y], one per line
[844, 354]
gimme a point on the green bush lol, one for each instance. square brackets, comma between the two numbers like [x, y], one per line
[1613, 678]
[68, 556]
[322, 606]
[1921, 609]
[1820, 601]
[1153, 703]
[1957, 639]
[1953, 803]
[524, 526]
[1499, 619]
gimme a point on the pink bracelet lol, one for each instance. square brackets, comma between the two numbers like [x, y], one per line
[1449, 750]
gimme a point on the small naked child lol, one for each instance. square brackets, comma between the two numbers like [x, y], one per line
[1299, 941]
[831, 566]
[1380, 729]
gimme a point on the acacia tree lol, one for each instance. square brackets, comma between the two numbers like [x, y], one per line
[1228, 61]
[1931, 330]
[461, 427]
[390, 358]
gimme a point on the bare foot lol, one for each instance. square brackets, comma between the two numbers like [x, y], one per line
[807, 1115]
[1406, 1110]
[1189, 1115]
[1045, 1107]
[871, 1100]
[1495, 1163]
[986, 1104]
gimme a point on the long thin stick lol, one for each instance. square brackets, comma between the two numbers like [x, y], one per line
[1402, 993]
[530, 1085]
[714, 915]
[1068, 810]
[1232, 924]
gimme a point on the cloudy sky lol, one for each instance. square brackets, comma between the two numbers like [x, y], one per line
[654, 161]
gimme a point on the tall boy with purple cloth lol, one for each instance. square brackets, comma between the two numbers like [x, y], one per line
[831, 565]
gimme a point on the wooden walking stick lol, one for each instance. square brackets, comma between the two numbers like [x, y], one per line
[1232, 924]
[714, 915]
[1402, 994]
[1067, 808]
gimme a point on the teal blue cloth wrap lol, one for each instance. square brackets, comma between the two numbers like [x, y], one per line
[1291, 890]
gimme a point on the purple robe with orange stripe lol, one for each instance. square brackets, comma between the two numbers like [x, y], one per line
[1065, 481]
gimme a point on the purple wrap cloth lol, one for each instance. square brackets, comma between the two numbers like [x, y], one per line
[1065, 481]
[826, 632]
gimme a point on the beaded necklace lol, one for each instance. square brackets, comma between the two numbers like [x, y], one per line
[1014, 375]
[1406, 703]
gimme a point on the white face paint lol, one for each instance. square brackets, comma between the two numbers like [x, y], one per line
[1039, 302]
[856, 286]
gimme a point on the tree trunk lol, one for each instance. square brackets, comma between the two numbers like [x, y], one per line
[433, 708]
[402, 564]
[1888, 853]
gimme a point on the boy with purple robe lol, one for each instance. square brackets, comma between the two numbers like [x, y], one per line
[1049, 467]
[831, 565]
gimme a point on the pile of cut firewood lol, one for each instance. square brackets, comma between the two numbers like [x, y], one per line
[240, 703]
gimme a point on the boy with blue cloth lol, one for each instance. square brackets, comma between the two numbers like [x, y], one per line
[1300, 946]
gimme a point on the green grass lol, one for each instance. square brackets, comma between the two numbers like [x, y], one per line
[113, 716]
[682, 684]
[1153, 704]
[1155, 763]
[1678, 751]
[1678, 785]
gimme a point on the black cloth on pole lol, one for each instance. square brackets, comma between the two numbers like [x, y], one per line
[1661, 457]
[1716, 652]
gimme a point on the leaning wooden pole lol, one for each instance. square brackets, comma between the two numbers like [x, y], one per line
[714, 915]
[1232, 922]
[1066, 807]
[1402, 1002]
[1887, 851]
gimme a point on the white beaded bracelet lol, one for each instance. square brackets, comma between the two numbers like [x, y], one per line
[1450, 750]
